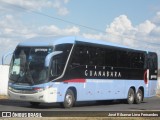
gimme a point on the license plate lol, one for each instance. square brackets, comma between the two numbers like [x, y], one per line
[22, 97]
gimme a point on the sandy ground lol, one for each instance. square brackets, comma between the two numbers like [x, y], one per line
[3, 97]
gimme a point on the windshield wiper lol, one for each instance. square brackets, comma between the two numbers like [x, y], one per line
[18, 79]
[29, 77]
[24, 78]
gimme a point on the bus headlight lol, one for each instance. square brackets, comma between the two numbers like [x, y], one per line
[38, 89]
[10, 88]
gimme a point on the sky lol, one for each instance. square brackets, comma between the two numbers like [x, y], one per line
[131, 23]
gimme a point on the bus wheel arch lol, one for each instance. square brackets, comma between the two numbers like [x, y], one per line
[142, 88]
[139, 95]
[70, 97]
[131, 95]
[74, 91]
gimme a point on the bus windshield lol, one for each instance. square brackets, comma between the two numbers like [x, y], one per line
[27, 66]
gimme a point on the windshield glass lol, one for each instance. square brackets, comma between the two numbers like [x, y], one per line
[27, 65]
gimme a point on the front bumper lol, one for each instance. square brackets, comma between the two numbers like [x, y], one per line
[46, 96]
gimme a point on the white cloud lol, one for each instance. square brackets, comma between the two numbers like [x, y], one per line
[63, 11]
[54, 30]
[120, 25]
[156, 32]
[99, 36]
[66, 1]
[59, 6]
[145, 27]
[12, 27]
[141, 36]
[28, 4]
[122, 31]
[156, 19]
[120, 28]
[9, 25]
[37, 5]
[7, 45]
[13, 31]
[119, 31]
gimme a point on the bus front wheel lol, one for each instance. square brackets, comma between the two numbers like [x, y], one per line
[130, 97]
[69, 99]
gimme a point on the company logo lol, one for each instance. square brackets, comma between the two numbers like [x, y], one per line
[41, 50]
[102, 73]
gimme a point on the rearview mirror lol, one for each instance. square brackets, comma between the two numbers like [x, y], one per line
[5, 56]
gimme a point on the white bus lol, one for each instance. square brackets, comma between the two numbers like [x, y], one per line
[71, 69]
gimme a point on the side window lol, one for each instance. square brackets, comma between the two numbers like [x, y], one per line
[56, 67]
[141, 60]
[123, 59]
[92, 56]
[137, 60]
[111, 57]
[80, 56]
[152, 62]
[96, 56]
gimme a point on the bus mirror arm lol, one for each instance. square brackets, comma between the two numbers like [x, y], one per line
[49, 56]
[5, 56]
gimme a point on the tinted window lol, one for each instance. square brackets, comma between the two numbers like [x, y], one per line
[152, 61]
[136, 59]
[80, 56]
[111, 57]
[84, 55]
[101, 56]
[123, 59]
[96, 56]
[57, 66]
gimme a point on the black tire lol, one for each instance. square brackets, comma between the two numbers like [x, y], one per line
[131, 96]
[138, 97]
[69, 99]
[34, 104]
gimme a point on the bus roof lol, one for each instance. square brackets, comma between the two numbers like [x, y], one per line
[51, 41]
[47, 41]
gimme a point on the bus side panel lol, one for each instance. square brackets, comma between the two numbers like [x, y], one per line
[100, 89]
[152, 88]
[110, 89]
[97, 89]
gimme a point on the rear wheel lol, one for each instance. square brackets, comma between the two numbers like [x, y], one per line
[69, 99]
[138, 96]
[130, 98]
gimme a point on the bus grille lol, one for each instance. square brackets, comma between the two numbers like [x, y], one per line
[23, 91]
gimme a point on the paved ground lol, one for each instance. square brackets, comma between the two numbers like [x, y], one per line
[83, 109]
[148, 104]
